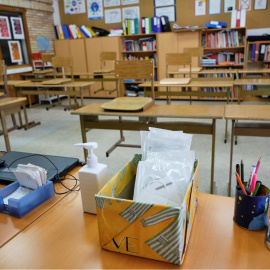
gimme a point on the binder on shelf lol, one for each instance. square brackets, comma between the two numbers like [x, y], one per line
[83, 32]
[70, 32]
[56, 32]
[124, 27]
[86, 31]
[256, 51]
[261, 52]
[158, 25]
[253, 51]
[142, 25]
[165, 24]
[150, 25]
[146, 25]
[222, 24]
[60, 31]
[137, 25]
[215, 26]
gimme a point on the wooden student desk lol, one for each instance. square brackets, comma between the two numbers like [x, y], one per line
[65, 237]
[52, 90]
[9, 106]
[251, 113]
[185, 71]
[241, 92]
[90, 118]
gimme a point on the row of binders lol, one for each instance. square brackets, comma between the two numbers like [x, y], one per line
[72, 31]
[142, 44]
[223, 58]
[223, 39]
[146, 25]
[260, 52]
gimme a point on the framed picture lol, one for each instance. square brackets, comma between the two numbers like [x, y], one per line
[245, 4]
[4, 28]
[161, 3]
[17, 27]
[260, 4]
[15, 51]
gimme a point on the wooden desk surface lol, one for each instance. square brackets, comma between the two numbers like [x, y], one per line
[160, 110]
[39, 84]
[195, 82]
[14, 82]
[252, 81]
[247, 112]
[10, 226]
[203, 71]
[248, 71]
[10, 101]
[65, 237]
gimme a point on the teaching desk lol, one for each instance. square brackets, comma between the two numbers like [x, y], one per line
[65, 237]
[90, 118]
[249, 113]
[52, 90]
[11, 226]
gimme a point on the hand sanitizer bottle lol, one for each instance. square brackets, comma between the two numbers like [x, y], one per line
[92, 177]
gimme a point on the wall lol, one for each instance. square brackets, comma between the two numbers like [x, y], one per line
[39, 16]
[184, 15]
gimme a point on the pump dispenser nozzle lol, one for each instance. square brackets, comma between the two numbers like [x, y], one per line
[92, 160]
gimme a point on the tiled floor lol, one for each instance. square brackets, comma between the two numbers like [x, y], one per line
[59, 131]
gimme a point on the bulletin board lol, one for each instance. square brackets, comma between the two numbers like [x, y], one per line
[14, 40]
[185, 15]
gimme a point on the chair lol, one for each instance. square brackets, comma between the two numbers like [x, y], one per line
[105, 59]
[196, 52]
[178, 60]
[3, 78]
[138, 70]
[46, 58]
[62, 67]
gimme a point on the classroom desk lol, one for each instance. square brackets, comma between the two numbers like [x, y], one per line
[198, 83]
[90, 119]
[251, 113]
[65, 237]
[52, 90]
[241, 92]
[185, 71]
[11, 226]
[9, 106]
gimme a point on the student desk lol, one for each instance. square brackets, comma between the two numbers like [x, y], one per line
[11, 226]
[90, 119]
[52, 90]
[185, 71]
[195, 82]
[250, 113]
[240, 83]
[65, 237]
[12, 105]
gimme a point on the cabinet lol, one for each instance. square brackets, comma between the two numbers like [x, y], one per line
[224, 47]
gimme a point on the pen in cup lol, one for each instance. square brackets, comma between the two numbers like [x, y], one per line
[251, 174]
[242, 171]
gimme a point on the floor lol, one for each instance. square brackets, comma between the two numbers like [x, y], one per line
[59, 131]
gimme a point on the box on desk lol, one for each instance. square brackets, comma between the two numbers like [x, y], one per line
[154, 231]
[20, 207]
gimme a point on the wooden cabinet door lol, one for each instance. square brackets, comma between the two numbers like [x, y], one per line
[77, 52]
[61, 47]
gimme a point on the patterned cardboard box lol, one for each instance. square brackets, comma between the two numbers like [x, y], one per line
[154, 231]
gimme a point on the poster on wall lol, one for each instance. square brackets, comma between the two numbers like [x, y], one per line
[130, 2]
[15, 51]
[4, 28]
[214, 7]
[161, 3]
[260, 4]
[229, 5]
[17, 27]
[166, 11]
[200, 7]
[74, 6]
[131, 12]
[113, 15]
[111, 3]
[245, 4]
[95, 9]
[43, 43]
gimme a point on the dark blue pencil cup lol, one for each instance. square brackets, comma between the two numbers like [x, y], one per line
[251, 212]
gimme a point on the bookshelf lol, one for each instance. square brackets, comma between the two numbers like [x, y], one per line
[138, 47]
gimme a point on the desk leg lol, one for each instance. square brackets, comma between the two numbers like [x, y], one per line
[83, 131]
[213, 155]
[5, 131]
[231, 157]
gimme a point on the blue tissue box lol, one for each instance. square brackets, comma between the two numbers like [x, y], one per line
[20, 207]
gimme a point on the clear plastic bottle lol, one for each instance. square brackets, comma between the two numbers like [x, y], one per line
[93, 176]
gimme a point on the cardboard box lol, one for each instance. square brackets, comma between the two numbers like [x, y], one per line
[158, 232]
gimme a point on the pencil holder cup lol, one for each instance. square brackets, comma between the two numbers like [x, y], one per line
[251, 212]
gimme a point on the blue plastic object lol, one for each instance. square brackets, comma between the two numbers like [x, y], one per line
[20, 207]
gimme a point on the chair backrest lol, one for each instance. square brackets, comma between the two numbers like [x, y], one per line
[137, 69]
[65, 63]
[196, 52]
[178, 59]
[107, 56]
[3, 77]
[46, 57]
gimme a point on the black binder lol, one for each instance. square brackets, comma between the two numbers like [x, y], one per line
[165, 24]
